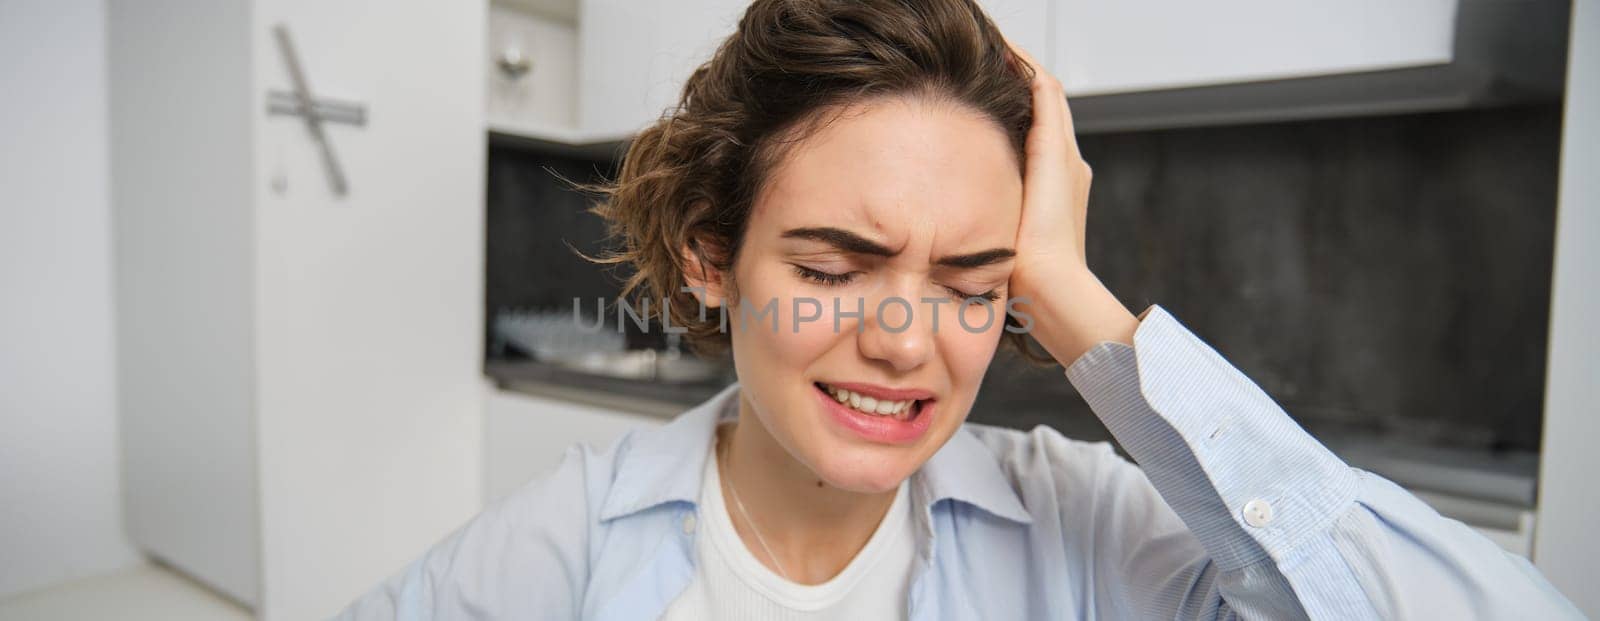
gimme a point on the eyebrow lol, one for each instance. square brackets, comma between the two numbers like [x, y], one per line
[853, 243]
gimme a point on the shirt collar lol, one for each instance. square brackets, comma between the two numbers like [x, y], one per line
[665, 464]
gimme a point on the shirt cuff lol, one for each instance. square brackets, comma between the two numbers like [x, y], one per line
[1243, 476]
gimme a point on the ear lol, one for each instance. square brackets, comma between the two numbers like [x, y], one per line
[700, 274]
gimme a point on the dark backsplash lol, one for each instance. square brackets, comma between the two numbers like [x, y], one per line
[1382, 275]
[535, 218]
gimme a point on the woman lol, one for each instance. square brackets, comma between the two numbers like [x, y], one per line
[850, 182]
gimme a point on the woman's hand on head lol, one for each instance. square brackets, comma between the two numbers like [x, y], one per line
[1056, 179]
[1072, 310]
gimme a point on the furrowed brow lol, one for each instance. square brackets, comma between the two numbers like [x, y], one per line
[841, 239]
[977, 259]
[851, 242]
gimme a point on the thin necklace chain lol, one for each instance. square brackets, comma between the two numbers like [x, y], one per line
[740, 504]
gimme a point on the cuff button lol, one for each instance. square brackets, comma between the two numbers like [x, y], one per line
[1258, 513]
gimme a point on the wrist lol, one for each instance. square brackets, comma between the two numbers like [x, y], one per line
[1074, 312]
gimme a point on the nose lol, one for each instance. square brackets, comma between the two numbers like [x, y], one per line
[897, 331]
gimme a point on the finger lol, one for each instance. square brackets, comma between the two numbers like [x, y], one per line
[1049, 151]
[1046, 137]
[1053, 156]
[1049, 101]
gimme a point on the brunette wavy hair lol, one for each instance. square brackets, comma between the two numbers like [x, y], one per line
[691, 179]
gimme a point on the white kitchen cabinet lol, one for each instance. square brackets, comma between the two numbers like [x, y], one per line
[301, 402]
[1118, 47]
[1154, 64]
[526, 435]
[530, 64]
[634, 56]
[531, 67]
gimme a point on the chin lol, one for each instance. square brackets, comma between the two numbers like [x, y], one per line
[866, 470]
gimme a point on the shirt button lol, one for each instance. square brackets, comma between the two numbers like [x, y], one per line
[1258, 513]
[688, 524]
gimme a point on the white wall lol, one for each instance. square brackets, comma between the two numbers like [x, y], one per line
[60, 499]
[1566, 542]
[180, 109]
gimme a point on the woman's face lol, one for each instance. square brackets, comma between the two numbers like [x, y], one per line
[902, 204]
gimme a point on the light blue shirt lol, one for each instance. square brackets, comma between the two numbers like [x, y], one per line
[1236, 512]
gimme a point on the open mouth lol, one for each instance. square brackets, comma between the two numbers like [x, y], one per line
[904, 410]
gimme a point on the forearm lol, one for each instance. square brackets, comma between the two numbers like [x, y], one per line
[1256, 490]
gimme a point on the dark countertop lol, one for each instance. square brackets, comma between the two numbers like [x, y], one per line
[660, 399]
[667, 400]
[1506, 480]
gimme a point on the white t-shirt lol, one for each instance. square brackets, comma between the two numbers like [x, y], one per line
[731, 583]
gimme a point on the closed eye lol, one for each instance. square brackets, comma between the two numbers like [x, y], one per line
[832, 279]
[990, 295]
[824, 278]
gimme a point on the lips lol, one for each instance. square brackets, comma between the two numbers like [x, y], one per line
[906, 414]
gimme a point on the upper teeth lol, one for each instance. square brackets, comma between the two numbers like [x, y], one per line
[867, 404]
